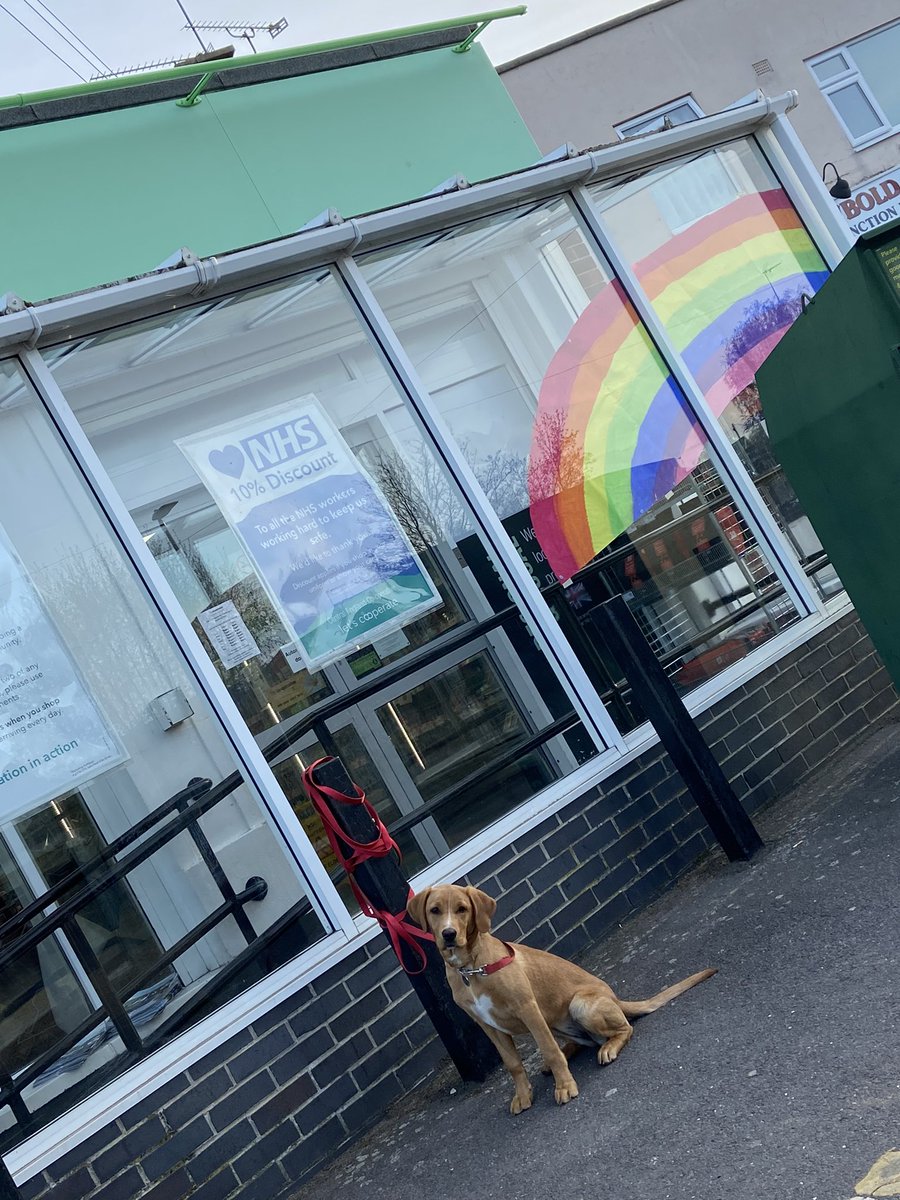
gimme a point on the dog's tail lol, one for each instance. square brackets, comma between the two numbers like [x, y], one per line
[640, 1008]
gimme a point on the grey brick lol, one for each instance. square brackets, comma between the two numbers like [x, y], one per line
[288, 1101]
[313, 1015]
[267, 1150]
[267, 1186]
[75, 1187]
[522, 867]
[174, 1187]
[360, 1013]
[325, 1104]
[647, 887]
[220, 1187]
[177, 1149]
[33, 1187]
[260, 1053]
[369, 976]
[395, 1019]
[223, 1149]
[342, 1058]
[221, 1054]
[427, 1059]
[124, 1187]
[559, 840]
[299, 1164]
[157, 1100]
[379, 1063]
[83, 1152]
[129, 1149]
[656, 851]
[201, 1097]
[241, 1100]
[368, 1109]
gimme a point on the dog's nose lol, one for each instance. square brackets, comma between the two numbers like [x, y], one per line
[449, 936]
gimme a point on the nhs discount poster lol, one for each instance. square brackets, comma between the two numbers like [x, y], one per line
[326, 547]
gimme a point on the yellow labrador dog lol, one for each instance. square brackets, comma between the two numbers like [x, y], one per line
[513, 989]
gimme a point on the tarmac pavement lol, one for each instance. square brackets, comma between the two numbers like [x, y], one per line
[779, 1078]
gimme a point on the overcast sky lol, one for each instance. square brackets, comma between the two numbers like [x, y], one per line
[125, 33]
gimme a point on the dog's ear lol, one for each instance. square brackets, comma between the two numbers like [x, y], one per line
[416, 907]
[483, 908]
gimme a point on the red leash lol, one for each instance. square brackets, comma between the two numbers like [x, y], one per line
[351, 853]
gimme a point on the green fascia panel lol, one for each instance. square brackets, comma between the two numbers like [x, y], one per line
[830, 392]
[374, 135]
[102, 197]
[96, 199]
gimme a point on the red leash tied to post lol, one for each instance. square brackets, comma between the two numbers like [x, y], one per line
[351, 853]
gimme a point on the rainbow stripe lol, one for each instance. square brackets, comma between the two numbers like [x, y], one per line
[613, 433]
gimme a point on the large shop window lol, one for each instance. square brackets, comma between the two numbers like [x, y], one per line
[87, 752]
[325, 559]
[584, 445]
[726, 262]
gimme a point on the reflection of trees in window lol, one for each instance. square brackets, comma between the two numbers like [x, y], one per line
[558, 459]
[425, 502]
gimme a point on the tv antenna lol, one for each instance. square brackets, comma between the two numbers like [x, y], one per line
[239, 29]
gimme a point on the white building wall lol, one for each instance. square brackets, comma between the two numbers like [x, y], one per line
[578, 90]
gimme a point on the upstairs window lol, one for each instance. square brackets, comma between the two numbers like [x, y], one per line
[862, 84]
[667, 116]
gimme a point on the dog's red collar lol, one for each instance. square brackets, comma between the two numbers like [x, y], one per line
[467, 973]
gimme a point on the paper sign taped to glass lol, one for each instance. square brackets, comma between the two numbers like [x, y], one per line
[319, 532]
[52, 734]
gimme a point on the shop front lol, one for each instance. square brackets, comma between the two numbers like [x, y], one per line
[353, 493]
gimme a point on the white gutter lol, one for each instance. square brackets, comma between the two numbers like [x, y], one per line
[75, 316]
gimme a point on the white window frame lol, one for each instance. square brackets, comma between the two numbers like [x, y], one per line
[853, 75]
[623, 129]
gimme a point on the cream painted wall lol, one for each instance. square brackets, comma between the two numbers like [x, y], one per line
[579, 90]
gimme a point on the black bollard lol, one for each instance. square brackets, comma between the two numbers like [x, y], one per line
[664, 708]
[383, 882]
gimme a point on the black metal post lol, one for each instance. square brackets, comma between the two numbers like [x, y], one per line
[666, 712]
[386, 886]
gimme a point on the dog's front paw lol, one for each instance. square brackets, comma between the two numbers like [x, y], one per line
[566, 1092]
[607, 1054]
[520, 1102]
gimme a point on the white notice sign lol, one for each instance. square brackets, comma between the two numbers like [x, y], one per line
[231, 639]
[52, 736]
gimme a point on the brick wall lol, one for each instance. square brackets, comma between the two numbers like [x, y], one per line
[263, 1111]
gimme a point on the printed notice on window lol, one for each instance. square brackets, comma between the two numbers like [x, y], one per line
[52, 735]
[230, 637]
[322, 538]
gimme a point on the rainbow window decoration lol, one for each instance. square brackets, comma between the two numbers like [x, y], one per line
[613, 434]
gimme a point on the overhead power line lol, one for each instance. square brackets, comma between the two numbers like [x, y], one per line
[68, 42]
[37, 38]
[60, 21]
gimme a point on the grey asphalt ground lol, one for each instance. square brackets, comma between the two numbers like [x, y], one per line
[777, 1079]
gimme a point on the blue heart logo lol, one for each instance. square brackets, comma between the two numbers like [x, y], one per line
[229, 461]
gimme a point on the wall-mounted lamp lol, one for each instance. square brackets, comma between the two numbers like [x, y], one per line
[840, 189]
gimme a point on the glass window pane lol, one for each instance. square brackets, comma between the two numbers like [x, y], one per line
[288, 555]
[877, 57]
[101, 724]
[855, 110]
[725, 261]
[677, 114]
[828, 68]
[586, 448]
